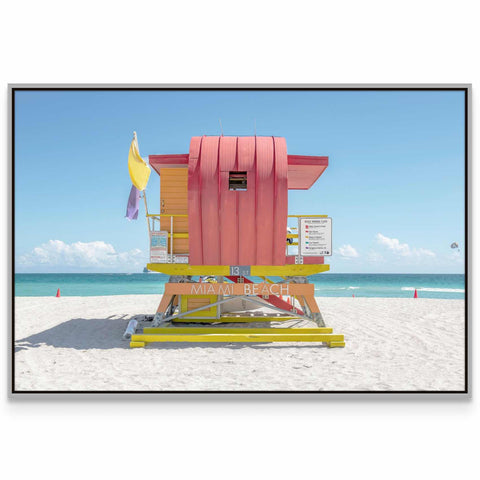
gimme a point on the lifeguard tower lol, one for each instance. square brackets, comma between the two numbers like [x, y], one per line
[222, 236]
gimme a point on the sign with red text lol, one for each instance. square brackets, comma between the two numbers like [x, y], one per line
[315, 236]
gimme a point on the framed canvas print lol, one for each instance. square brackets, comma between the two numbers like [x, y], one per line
[240, 238]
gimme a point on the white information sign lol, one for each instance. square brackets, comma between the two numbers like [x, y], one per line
[158, 247]
[315, 236]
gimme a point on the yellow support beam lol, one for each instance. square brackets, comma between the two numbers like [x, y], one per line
[178, 235]
[266, 279]
[238, 337]
[224, 270]
[222, 330]
[240, 319]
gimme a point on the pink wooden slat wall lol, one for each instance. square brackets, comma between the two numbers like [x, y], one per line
[265, 200]
[209, 194]
[238, 227]
[247, 244]
[228, 203]
[280, 198]
[194, 203]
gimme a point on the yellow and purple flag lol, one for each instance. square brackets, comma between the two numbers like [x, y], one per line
[139, 174]
[133, 201]
[137, 167]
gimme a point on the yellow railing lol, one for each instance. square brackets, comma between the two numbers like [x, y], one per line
[158, 217]
[185, 235]
[168, 215]
[152, 230]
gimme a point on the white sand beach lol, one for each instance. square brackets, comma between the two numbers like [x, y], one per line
[75, 343]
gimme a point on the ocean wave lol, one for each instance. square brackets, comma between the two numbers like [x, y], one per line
[449, 290]
[330, 288]
[335, 288]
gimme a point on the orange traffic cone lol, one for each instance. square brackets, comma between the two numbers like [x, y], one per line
[415, 295]
[58, 293]
[288, 301]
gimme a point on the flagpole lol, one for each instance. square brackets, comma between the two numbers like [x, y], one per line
[146, 211]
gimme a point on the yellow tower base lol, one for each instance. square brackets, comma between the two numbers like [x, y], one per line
[195, 302]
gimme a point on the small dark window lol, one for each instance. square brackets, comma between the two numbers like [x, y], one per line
[237, 181]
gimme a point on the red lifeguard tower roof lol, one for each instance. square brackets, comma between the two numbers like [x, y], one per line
[303, 170]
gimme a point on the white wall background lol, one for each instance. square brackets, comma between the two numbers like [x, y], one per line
[243, 436]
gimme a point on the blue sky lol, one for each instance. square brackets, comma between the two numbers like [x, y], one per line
[394, 186]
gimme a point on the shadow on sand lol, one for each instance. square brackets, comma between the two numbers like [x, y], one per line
[107, 333]
[80, 334]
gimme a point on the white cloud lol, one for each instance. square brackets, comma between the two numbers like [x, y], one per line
[56, 253]
[402, 249]
[347, 251]
[423, 252]
[394, 245]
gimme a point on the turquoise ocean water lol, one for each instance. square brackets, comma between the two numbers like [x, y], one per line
[327, 285]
